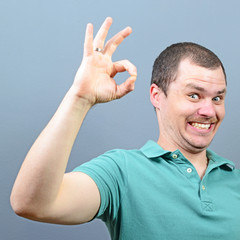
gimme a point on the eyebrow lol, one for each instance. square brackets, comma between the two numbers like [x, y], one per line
[201, 89]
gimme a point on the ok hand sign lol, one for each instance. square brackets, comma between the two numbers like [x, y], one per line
[94, 80]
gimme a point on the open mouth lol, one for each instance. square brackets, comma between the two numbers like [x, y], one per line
[200, 125]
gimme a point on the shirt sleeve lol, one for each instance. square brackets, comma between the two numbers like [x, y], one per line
[109, 173]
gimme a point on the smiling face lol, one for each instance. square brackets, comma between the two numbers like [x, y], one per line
[193, 109]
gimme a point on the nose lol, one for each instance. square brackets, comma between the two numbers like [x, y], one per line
[207, 109]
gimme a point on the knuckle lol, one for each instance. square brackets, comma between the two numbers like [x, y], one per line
[108, 42]
[132, 87]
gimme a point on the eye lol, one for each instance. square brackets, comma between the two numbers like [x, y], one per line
[217, 99]
[194, 96]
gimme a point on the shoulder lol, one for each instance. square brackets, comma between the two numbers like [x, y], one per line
[123, 154]
[125, 159]
[121, 157]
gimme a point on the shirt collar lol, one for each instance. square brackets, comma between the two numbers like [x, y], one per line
[153, 150]
[218, 160]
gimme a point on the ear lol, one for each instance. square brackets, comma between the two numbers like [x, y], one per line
[156, 95]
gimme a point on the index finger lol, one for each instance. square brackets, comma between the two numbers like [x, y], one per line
[114, 42]
[88, 42]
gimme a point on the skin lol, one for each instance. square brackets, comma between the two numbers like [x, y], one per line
[42, 190]
[195, 97]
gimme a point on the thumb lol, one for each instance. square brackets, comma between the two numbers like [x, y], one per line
[126, 87]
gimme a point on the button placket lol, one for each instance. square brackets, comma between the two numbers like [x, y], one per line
[206, 202]
[203, 190]
[185, 167]
[207, 206]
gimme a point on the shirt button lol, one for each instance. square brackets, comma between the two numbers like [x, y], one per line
[189, 170]
[203, 187]
[174, 156]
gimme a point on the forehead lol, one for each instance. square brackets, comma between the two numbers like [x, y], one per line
[189, 74]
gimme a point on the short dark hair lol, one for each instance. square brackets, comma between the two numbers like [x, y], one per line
[166, 64]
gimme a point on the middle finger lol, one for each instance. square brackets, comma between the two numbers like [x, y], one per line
[102, 34]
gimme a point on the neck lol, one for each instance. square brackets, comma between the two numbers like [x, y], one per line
[195, 158]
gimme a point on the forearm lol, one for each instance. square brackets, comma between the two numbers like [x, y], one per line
[41, 174]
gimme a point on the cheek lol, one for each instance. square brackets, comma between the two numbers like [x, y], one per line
[178, 115]
[183, 110]
[221, 113]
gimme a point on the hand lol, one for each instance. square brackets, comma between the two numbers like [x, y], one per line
[94, 79]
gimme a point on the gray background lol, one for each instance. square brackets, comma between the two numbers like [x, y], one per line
[40, 51]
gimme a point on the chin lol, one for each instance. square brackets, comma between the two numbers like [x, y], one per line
[194, 149]
[198, 145]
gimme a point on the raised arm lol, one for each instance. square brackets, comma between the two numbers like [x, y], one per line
[42, 190]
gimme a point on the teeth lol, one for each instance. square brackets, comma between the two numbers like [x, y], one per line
[201, 125]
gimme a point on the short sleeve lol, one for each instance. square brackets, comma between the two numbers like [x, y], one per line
[109, 173]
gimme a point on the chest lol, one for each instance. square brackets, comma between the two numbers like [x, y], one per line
[175, 203]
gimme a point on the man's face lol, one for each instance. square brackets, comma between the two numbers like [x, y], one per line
[193, 109]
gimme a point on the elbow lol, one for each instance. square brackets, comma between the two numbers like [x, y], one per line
[21, 207]
[26, 208]
[17, 205]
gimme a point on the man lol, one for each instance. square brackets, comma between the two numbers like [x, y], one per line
[172, 189]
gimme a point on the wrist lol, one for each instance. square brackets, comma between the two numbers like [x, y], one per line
[80, 102]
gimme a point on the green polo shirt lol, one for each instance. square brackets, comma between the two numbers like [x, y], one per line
[156, 194]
